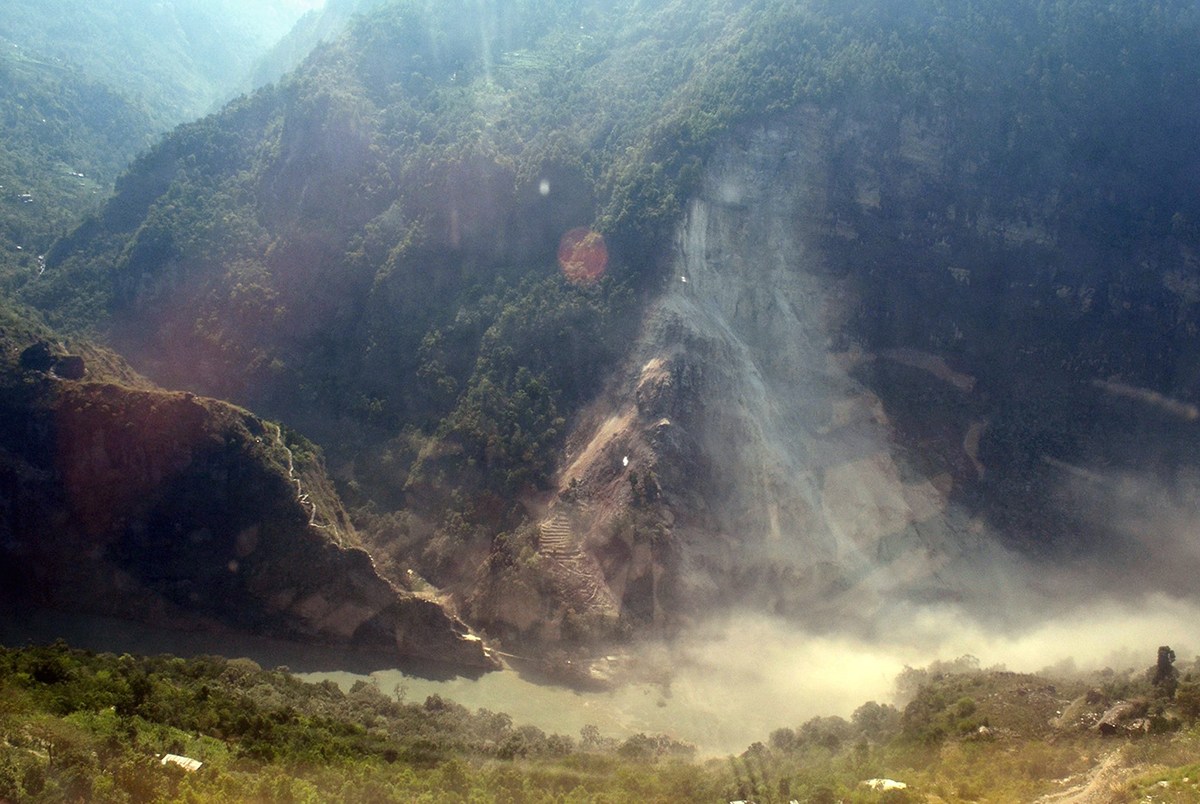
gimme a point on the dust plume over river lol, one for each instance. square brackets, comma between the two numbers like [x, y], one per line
[731, 682]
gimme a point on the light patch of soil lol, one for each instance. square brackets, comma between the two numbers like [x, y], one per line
[971, 446]
[932, 364]
[613, 426]
[1103, 784]
[864, 501]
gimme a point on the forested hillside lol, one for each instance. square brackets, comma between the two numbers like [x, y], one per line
[561, 326]
[179, 57]
[65, 140]
[317, 26]
[371, 250]
[87, 87]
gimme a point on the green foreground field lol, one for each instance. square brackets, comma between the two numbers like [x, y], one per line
[80, 726]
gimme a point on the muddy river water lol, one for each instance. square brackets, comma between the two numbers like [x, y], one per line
[720, 698]
[721, 688]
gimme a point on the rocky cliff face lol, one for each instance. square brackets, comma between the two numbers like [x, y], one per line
[184, 511]
[864, 382]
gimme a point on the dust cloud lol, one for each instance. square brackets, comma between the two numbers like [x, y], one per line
[734, 679]
[1126, 588]
[738, 678]
[1108, 606]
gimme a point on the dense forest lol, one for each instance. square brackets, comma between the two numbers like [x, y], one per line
[85, 89]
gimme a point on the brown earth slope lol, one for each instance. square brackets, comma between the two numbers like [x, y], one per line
[123, 499]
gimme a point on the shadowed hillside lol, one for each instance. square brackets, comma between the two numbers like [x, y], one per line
[123, 499]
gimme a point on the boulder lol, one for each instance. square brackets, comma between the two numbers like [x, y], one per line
[1119, 719]
[38, 357]
[70, 367]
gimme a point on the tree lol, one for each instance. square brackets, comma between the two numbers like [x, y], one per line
[879, 722]
[1187, 699]
[1163, 675]
[590, 739]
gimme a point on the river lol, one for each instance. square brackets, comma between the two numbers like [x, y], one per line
[732, 682]
[720, 698]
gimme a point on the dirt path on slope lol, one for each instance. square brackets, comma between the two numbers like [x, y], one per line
[1103, 784]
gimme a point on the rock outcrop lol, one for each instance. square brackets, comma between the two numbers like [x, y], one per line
[41, 356]
[184, 511]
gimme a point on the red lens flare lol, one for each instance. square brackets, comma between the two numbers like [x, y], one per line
[582, 256]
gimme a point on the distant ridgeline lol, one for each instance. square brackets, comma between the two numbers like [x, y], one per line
[176, 57]
[370, 250]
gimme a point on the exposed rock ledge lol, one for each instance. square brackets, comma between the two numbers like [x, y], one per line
[177, 510]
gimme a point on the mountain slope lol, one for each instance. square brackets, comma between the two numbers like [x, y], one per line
[315, 27]
[179, 57]
[65, 140]
[85, 88]
[787, 389]
[183, 511]
[827, 426]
